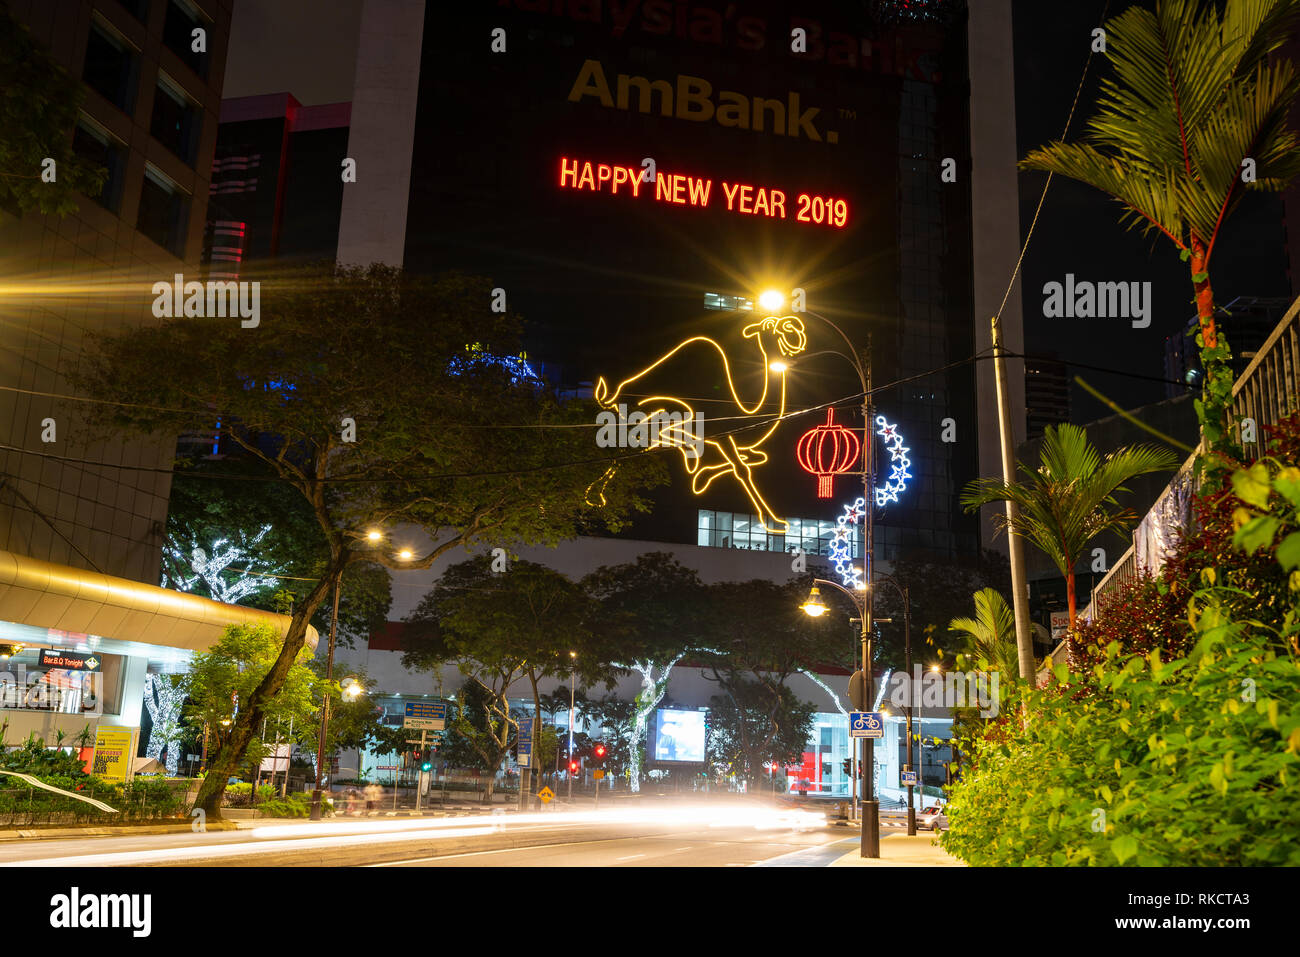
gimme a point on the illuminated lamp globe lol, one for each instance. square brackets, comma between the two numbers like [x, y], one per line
[405, 554]
[814, 607]
[771, 300]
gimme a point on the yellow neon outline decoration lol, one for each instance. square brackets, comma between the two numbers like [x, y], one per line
[738, 460]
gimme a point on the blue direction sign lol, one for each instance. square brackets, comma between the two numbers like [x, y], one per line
[425, 715]
[909, 779]
[866, 724]
[525, 743]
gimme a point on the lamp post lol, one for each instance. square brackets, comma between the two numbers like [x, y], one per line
[861, 362]
[573, 655]
[373, 537]
[870, 843]
[907, 651]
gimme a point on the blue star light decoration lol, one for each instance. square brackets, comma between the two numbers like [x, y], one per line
[841, 550]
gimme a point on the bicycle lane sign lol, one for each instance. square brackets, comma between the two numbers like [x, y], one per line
[866, 724]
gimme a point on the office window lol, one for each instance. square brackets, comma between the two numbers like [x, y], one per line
[96, 145]
[164, 211]
[176, 120]
[183, 18]
[110, 67]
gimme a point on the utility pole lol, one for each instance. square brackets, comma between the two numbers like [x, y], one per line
[1019, 581]
[870, 843]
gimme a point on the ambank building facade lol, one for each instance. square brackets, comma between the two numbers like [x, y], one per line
[631, 175]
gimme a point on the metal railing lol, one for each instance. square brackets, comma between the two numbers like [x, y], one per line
[1267, 391]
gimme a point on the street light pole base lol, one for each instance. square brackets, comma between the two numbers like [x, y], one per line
[315, 804]
[870, 829]
[911, 821]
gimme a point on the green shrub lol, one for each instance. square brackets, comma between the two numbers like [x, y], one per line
[1137, 760]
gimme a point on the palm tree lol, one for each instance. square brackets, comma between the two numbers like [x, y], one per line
[1070, 498]
[1195, 115]
[992, 632]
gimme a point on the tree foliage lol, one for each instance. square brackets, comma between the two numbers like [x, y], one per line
[222, 679]
[446, 438]
[1070, 498]
[991, 634]
[1156, 759]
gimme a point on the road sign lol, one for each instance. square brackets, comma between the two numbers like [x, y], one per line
[425, 715]
[598, 775]
[909, 779]
[525, 743]
[546, 794]
[858, 691]
[866, 724]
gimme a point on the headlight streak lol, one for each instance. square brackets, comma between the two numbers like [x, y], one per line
[325, 835]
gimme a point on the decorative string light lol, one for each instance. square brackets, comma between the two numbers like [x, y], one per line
[841, 547]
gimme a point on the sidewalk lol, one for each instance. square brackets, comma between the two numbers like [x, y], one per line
[900, 850]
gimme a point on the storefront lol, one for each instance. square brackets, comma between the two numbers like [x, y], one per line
[80, 650]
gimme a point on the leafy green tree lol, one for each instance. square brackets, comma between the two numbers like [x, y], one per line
[269, 539]
[1194, 117]
[647, 615]
[760, 638]
[525, 621]
[38, 113]
[222, 680]
[754, 724]
[445, 438]
[356, 721]
[991, 634]
[1070, 498]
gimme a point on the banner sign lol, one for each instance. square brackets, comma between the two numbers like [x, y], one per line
[69, 660]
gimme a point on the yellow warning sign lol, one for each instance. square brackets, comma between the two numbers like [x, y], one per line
[546, 794]
[598, 775]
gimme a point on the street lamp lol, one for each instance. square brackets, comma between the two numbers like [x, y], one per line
[573, 656]
[405, 554]
[870, 844]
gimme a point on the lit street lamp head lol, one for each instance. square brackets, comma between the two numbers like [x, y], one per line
[771, 300]
[814, 605]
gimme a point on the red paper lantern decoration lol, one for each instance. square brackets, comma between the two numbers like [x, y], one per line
[826, 451]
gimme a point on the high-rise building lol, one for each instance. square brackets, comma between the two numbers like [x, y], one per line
[847, 152]
[277, 187]
[149, 116]
[1047, 393]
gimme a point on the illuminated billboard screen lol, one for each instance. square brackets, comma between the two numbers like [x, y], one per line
[677, 737]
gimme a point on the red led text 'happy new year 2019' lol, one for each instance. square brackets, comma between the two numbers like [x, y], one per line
[683, 190]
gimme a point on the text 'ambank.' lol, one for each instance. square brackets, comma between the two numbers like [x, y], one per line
[691, 98]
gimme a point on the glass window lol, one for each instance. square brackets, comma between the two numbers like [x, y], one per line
[96, 145]
[183, 18]
[110, 67]
[164, 211]
[175, 123]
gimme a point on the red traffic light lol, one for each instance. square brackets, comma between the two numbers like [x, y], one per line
[600, 751]
[573, 767]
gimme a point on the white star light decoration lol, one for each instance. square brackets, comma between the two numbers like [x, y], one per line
[841, 551]
[898, 472]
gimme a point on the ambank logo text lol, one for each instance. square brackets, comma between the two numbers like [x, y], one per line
[691, 98]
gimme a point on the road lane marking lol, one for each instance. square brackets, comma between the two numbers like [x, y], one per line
[499, 850]
[630, 857]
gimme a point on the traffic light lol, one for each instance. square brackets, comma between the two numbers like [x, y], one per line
[573, 767]
[847, 764]
[426, 761]
[600, 751]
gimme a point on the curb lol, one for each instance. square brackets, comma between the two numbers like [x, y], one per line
[51, 833]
